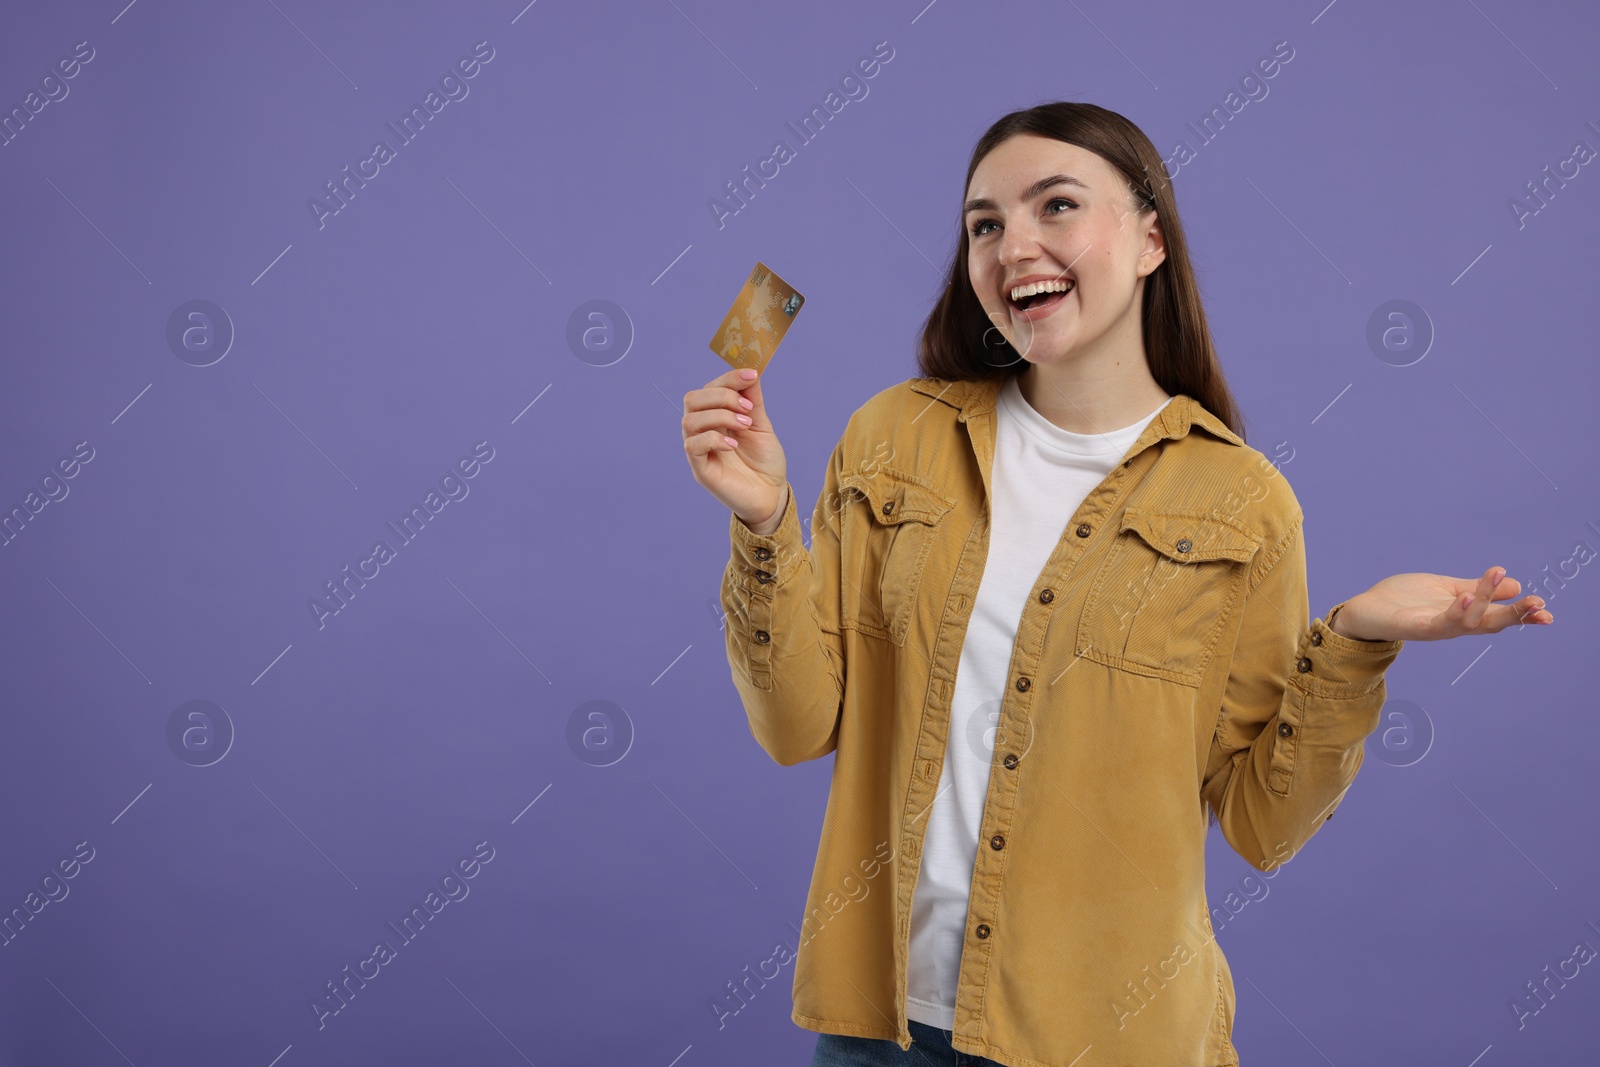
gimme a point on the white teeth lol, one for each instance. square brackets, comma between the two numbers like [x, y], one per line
[1022, 292]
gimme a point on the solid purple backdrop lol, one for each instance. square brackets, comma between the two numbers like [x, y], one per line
[375, 347]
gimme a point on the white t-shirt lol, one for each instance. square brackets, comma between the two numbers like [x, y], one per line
[1041, 475]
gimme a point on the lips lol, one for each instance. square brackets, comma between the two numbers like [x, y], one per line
[1034, 300]
[1040, 305]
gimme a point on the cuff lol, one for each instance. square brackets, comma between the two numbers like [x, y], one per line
[1332, 665]
[761, 562]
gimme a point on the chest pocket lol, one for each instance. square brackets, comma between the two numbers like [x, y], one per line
[888, 528]
[1168, 584]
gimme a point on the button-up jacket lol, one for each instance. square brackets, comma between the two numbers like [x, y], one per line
[1164, 676]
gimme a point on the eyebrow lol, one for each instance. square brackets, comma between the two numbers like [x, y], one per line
[985, 204]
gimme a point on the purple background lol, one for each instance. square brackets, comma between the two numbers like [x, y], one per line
[436, 709]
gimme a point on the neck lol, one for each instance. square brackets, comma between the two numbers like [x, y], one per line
[1102, 387]
[1088, 402]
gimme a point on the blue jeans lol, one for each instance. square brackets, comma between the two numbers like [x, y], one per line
[930, 1048]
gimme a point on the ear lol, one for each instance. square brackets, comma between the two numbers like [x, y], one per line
[1154, 252]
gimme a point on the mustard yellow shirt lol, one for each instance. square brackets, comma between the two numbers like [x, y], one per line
[1164, 674]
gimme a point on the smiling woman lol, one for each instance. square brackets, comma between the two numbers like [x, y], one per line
[1073, 562]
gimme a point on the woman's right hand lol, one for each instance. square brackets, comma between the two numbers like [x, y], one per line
[733, 450]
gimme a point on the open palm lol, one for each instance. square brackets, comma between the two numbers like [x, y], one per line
[1436, 607]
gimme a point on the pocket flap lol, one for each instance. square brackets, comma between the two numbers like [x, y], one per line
[896, 496]
[1190, 537]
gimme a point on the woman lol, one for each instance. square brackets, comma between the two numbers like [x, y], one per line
[1052, 624]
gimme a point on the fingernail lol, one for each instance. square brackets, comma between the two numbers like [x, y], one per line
[1498, 579]
[748, 372]
[1467, 603]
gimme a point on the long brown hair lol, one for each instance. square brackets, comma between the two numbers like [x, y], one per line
[1176, 338]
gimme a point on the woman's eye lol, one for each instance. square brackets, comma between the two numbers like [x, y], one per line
[978, 227]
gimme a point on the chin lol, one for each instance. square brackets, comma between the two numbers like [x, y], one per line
[1047, 349]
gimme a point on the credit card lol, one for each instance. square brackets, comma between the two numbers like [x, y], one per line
[754, 326]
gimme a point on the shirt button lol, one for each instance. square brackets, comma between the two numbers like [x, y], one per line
[1316, 637]
[1183, 544]
[1011, 761]
[763, 554]
[762, 637]
[1023, 684]
[1083, 530]
[997, 842]
[888, 507]
[1304, 665]
[1285, 730]
[763, 577]
[1046, 596]
[982, 931]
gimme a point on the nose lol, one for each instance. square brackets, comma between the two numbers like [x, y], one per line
[1019, 242]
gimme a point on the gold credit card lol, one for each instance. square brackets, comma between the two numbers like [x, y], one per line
[761, 314]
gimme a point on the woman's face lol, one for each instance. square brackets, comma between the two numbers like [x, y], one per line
[1079, 230]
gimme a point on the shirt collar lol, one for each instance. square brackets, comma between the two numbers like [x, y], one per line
[974, 398]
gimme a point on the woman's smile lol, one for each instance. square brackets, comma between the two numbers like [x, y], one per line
[1037, 307]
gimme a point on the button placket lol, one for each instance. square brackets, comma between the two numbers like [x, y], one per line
[758, 619]
[1291, 720]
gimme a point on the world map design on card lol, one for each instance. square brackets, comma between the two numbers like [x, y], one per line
[756, 323]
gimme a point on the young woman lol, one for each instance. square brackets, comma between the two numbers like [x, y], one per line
[1052, 623]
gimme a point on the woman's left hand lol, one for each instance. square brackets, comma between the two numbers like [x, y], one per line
[1436, 607]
